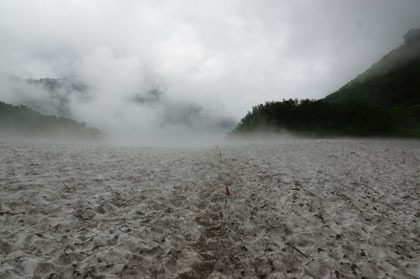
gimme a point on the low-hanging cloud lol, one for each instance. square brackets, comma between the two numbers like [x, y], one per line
[153, 68]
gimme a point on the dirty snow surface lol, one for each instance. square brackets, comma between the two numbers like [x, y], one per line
[297, 209]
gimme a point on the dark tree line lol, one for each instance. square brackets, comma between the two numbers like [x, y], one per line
[382, 101]
[23, 121]
[320, 117]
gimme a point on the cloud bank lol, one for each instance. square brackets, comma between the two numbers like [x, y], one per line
[209, 61]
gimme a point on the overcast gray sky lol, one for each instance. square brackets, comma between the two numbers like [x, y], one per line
[225, 55]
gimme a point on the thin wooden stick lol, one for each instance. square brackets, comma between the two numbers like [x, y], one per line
[290, 245]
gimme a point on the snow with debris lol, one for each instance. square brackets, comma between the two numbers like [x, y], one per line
[297, 209]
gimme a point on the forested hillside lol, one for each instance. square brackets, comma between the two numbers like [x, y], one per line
[382, 101]
[23, 121]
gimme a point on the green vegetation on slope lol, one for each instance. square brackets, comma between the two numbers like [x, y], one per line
[318, 117]
[382, 101]
[23, 121]
[398, 86]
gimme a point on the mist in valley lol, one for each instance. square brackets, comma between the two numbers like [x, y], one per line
[151, 72]
[200, 139]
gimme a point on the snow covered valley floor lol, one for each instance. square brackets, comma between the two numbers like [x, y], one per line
[297, 209]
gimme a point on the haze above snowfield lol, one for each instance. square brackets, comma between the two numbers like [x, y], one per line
[155, 69]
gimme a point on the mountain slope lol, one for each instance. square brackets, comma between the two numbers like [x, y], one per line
[393, 80]
[23, 121]
[384, 100]
[393, 83]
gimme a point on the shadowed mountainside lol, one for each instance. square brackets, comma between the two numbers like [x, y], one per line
[382, 101]
[23, 121]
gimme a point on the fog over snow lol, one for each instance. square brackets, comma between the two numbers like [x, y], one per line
[147, 70]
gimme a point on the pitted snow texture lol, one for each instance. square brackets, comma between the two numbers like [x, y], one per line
[298, 209]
